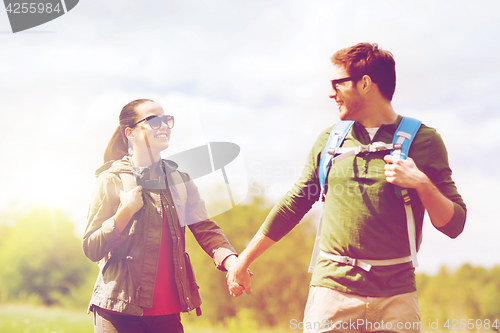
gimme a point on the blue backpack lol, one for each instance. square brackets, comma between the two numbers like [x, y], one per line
[333, 152]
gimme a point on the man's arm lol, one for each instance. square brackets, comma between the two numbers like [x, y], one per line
[284, 216]
[405, 173]
[237, 275]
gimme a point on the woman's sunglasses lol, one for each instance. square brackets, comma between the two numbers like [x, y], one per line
[155, 121]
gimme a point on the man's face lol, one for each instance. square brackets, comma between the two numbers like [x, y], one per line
[346, 95]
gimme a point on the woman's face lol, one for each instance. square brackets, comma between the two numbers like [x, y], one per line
[143, 136]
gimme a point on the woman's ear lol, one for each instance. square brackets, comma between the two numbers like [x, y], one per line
[129, 134]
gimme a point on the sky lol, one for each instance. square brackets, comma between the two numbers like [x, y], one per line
[252, 73]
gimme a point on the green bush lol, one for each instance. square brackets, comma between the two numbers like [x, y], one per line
[42, 260]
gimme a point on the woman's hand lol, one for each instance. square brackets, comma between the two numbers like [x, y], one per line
[130, 203]
[238, 280]
[132, 200]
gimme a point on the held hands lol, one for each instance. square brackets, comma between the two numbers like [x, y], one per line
[403, 173]
[237, 277]
[132, 200]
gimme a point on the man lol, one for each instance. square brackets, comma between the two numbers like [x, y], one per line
[364, 219]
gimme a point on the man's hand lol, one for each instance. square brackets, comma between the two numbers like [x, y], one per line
[406, 174]
[238, 275]
[403, 173]
[238, 279]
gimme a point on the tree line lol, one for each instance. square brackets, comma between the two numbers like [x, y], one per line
[42, 262]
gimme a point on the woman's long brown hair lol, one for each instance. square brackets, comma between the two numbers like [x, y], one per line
[118, 145]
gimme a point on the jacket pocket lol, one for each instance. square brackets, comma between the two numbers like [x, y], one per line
[193, 286]
[132, 243]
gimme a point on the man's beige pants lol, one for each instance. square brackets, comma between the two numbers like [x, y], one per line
[329, 310]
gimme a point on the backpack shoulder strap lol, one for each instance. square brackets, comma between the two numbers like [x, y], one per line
[404, 135]
[337, 136]
[128, 180]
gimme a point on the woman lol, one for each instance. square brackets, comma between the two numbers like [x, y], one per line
[137, 235]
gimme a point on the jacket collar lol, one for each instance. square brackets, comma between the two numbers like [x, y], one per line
[125, 166]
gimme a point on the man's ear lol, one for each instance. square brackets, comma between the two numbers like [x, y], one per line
[365, 84]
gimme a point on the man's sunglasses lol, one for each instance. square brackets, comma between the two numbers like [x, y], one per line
[345, 79]
[155, 121]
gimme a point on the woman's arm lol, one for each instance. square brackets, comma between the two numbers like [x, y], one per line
[107, 218]
[207, 233]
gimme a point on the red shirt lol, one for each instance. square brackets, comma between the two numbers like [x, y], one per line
[165, 297]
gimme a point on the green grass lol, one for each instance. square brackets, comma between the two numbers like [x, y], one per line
[18, 318]
[36, 319]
